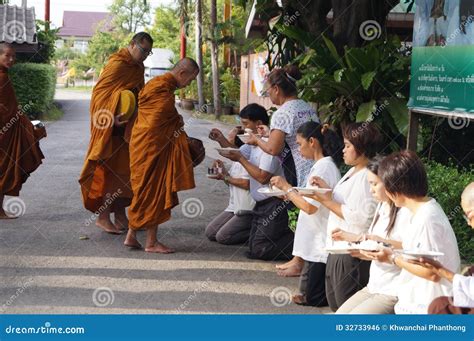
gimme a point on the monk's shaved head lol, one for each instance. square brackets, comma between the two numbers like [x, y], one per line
[5, 46]
[467, 196]
[187, 64]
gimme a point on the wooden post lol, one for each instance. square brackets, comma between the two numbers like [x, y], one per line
[413, 124]
[46, 14]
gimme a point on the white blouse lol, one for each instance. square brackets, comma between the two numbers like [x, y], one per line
[310, 234]
[358, 205]
[429, 230]
[463, 291]
[383, 277]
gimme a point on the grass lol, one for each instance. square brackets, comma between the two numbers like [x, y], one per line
[79, 88]
[53, 114]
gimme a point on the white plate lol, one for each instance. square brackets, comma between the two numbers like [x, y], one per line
[415, 254]
[212, 176]
[226, 151]
[337, 250]
[245, 137]
[271, 193]
[312, 190]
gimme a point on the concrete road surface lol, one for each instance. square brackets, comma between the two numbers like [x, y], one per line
[46, 267]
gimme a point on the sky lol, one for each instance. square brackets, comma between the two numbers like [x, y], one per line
[59, 6]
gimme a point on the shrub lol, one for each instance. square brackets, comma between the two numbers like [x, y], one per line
[446, 184]
[35, 86]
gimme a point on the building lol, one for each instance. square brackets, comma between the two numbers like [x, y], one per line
[18, 27]
[79, 27]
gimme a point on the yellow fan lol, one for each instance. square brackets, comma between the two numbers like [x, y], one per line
[127, 104]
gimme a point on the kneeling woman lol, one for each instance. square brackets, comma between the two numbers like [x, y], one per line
[323, 146]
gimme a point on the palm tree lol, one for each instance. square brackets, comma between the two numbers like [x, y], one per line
[198, 29]
[215, 60]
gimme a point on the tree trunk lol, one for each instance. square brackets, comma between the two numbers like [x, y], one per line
[200, 77]
[215, 60]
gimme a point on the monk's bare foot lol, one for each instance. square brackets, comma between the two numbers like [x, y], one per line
[299, 299]
[287, 264]
[107, 226]
[131, 242]
[121, 222]
[292, 271]
[5, 215]
[159, 248]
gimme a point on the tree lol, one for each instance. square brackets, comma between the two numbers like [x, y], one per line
[215, 60]
[130, 15]
[199, 57]
[165, 29]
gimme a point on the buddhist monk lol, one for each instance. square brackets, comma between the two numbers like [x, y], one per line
[105, 177]
[160, 159]
[20, 154]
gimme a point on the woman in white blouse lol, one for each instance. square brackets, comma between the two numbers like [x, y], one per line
[406, 184]
[380, 295]
[293, 112]
[323, 146]
[352, 208]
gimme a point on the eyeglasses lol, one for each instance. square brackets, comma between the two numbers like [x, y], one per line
[266, 92]
[142, 50]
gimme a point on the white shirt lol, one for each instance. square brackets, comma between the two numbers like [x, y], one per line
[463, 291]
[357, 204]
[429, 230]
[383, 277]
[288, 118]
[271, 164]
[310, 234]
[239, 198]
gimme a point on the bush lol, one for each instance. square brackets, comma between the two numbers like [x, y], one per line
[35, 85]
[446, 183]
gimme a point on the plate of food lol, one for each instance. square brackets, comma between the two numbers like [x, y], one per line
[415, 254]
[271, 191]
[245, 137]
[312, 190]
[225, 151]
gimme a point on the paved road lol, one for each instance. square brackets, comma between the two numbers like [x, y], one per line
[45, 267]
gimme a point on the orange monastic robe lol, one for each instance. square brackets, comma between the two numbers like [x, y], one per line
[160, 160]
[20, 153]
[106, 171]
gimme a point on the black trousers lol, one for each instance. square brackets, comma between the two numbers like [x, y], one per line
[345, 275]
[270, 237]
[312, 283]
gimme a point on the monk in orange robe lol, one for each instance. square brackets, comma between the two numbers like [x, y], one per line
[20, 154]
[105, 177]
[160, 159]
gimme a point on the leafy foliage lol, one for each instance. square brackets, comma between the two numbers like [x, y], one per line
[367, 83]
[446, 183]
